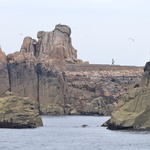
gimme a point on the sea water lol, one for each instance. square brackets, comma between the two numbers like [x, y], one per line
[67, 133]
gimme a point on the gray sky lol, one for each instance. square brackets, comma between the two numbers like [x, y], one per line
[101, 29]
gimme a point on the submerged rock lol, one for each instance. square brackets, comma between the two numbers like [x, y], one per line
[18, 112]
[134, 110]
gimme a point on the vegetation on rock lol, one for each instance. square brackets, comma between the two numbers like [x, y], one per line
[18, 112]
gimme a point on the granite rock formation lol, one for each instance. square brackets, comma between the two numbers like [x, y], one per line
[54, 45]
[18, 112]
[134, 109]
[4, 78]
[52, 89]
[38, 79]
[58, 83]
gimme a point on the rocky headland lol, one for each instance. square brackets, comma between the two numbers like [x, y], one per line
[48, 71]
[134, 109]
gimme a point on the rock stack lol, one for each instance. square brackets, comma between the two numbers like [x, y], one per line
[55, 45]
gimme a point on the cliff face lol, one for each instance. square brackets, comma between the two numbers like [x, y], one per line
[4, 78]
[55, 45]
[58, 83]
[51, 92]
[38, 79]
[22, 74]
[96, 89]
[134, 109]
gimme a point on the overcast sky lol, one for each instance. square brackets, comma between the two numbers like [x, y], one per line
[101, 29]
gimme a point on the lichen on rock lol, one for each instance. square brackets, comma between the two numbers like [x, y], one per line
[18, 112]
[134, 110]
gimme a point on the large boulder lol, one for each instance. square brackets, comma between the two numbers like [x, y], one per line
[56, 44]
[134, 110]
[18, 112]
[28, 45]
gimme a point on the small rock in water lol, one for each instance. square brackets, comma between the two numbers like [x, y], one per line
[84, 126]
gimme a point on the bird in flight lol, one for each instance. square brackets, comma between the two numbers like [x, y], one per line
[131, 39]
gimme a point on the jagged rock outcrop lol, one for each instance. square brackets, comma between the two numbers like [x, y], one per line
[4, 78]
[47, 70]
[29, 45]
[55, 45]
[18, 112]
[134, 110]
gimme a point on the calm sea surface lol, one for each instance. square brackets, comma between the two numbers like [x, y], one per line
[67, 133]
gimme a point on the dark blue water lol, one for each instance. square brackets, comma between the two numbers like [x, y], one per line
[66, 133]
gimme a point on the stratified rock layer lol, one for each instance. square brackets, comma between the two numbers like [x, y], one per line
[134, 109]
[18, 112]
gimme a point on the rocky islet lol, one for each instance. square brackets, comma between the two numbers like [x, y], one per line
[58, 83]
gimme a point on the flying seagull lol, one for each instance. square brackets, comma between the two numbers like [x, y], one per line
[131, 39]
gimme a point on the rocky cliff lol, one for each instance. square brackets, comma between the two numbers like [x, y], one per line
[134, 109]
[4, 78]
[38, 79]
[48, 71]
[96, 89]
